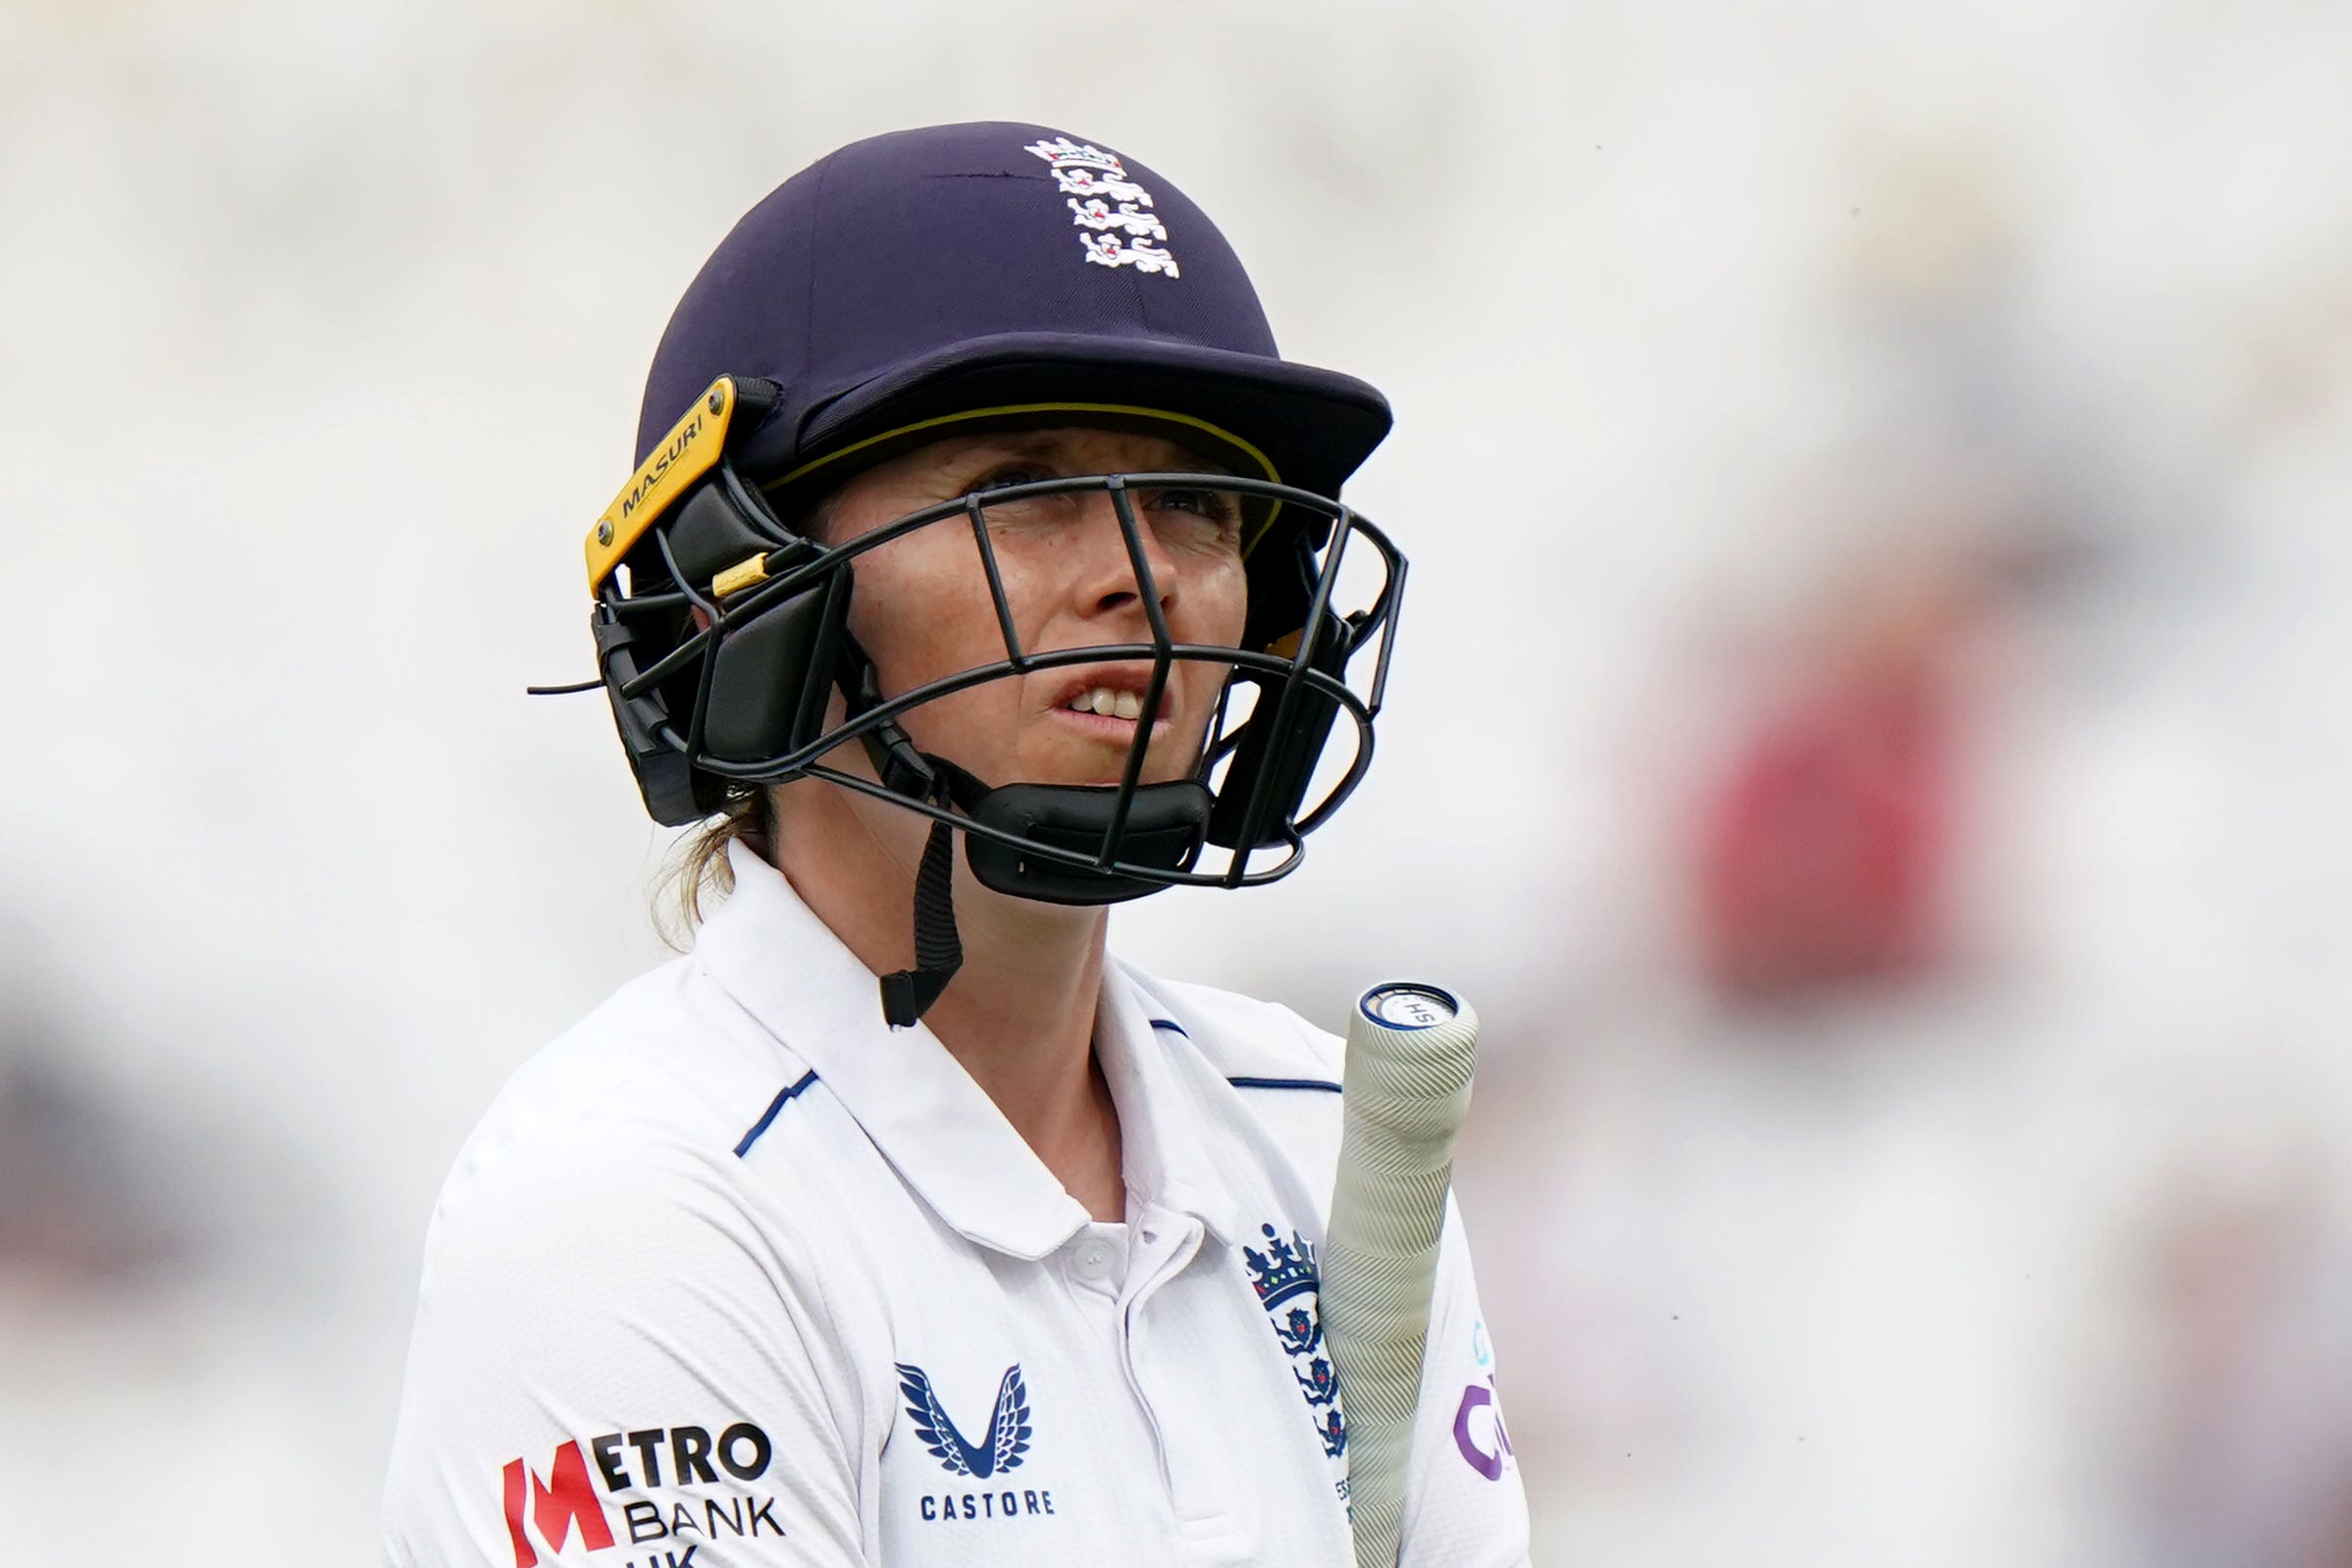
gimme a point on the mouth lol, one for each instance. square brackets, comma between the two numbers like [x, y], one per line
[1107, 700]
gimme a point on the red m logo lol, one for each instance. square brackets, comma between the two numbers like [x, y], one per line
[564, 1499]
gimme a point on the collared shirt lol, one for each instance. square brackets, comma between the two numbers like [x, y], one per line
[734, 1274]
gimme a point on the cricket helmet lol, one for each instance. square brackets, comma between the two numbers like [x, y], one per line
[950, 279]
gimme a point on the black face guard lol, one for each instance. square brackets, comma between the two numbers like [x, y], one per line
[721, 634]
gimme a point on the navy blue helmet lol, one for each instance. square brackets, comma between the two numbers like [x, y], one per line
[947, 279]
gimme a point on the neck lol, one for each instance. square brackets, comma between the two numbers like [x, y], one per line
[1018, 1016]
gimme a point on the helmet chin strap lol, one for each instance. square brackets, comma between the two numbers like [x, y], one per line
[908, 994]
[1166, 823]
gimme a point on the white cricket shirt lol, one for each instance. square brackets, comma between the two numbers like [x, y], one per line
[734, 1274]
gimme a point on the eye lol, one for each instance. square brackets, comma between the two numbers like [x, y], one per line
[1205, 518]
[1007, 475]
[1214, 504]
[1205, 502]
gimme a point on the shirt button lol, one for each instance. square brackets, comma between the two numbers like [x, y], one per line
[1093, 1261]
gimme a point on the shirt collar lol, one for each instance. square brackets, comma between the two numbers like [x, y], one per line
[1158, 1085]
[922, 1111]
[936, 1126]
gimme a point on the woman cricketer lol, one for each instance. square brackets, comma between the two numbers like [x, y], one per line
[983, 568]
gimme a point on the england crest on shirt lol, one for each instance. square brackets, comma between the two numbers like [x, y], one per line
[1285, 1278]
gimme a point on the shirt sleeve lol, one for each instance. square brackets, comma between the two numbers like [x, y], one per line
[1464, 1504]
[611, 1353]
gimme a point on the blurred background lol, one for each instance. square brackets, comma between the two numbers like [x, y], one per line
[1870, 733]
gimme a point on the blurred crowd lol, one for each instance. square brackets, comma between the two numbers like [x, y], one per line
[1868, 733]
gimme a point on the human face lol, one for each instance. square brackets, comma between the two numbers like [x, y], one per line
[922, 609]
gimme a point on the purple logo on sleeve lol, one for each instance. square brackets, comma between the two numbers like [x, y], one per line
[1476, 1397]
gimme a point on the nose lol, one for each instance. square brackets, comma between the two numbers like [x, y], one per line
[1104, 574]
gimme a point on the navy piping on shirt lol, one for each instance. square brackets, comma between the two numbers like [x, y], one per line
[1172, 1026]
[773, 1106]
[1321, 1084]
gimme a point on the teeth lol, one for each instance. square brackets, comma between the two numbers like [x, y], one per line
[1103, 701]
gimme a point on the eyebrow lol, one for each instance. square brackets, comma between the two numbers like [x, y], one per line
[1043, 443]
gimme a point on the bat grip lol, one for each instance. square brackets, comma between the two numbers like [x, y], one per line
[1406, 1090]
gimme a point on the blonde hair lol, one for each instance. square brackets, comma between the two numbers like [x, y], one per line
[699, 864]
